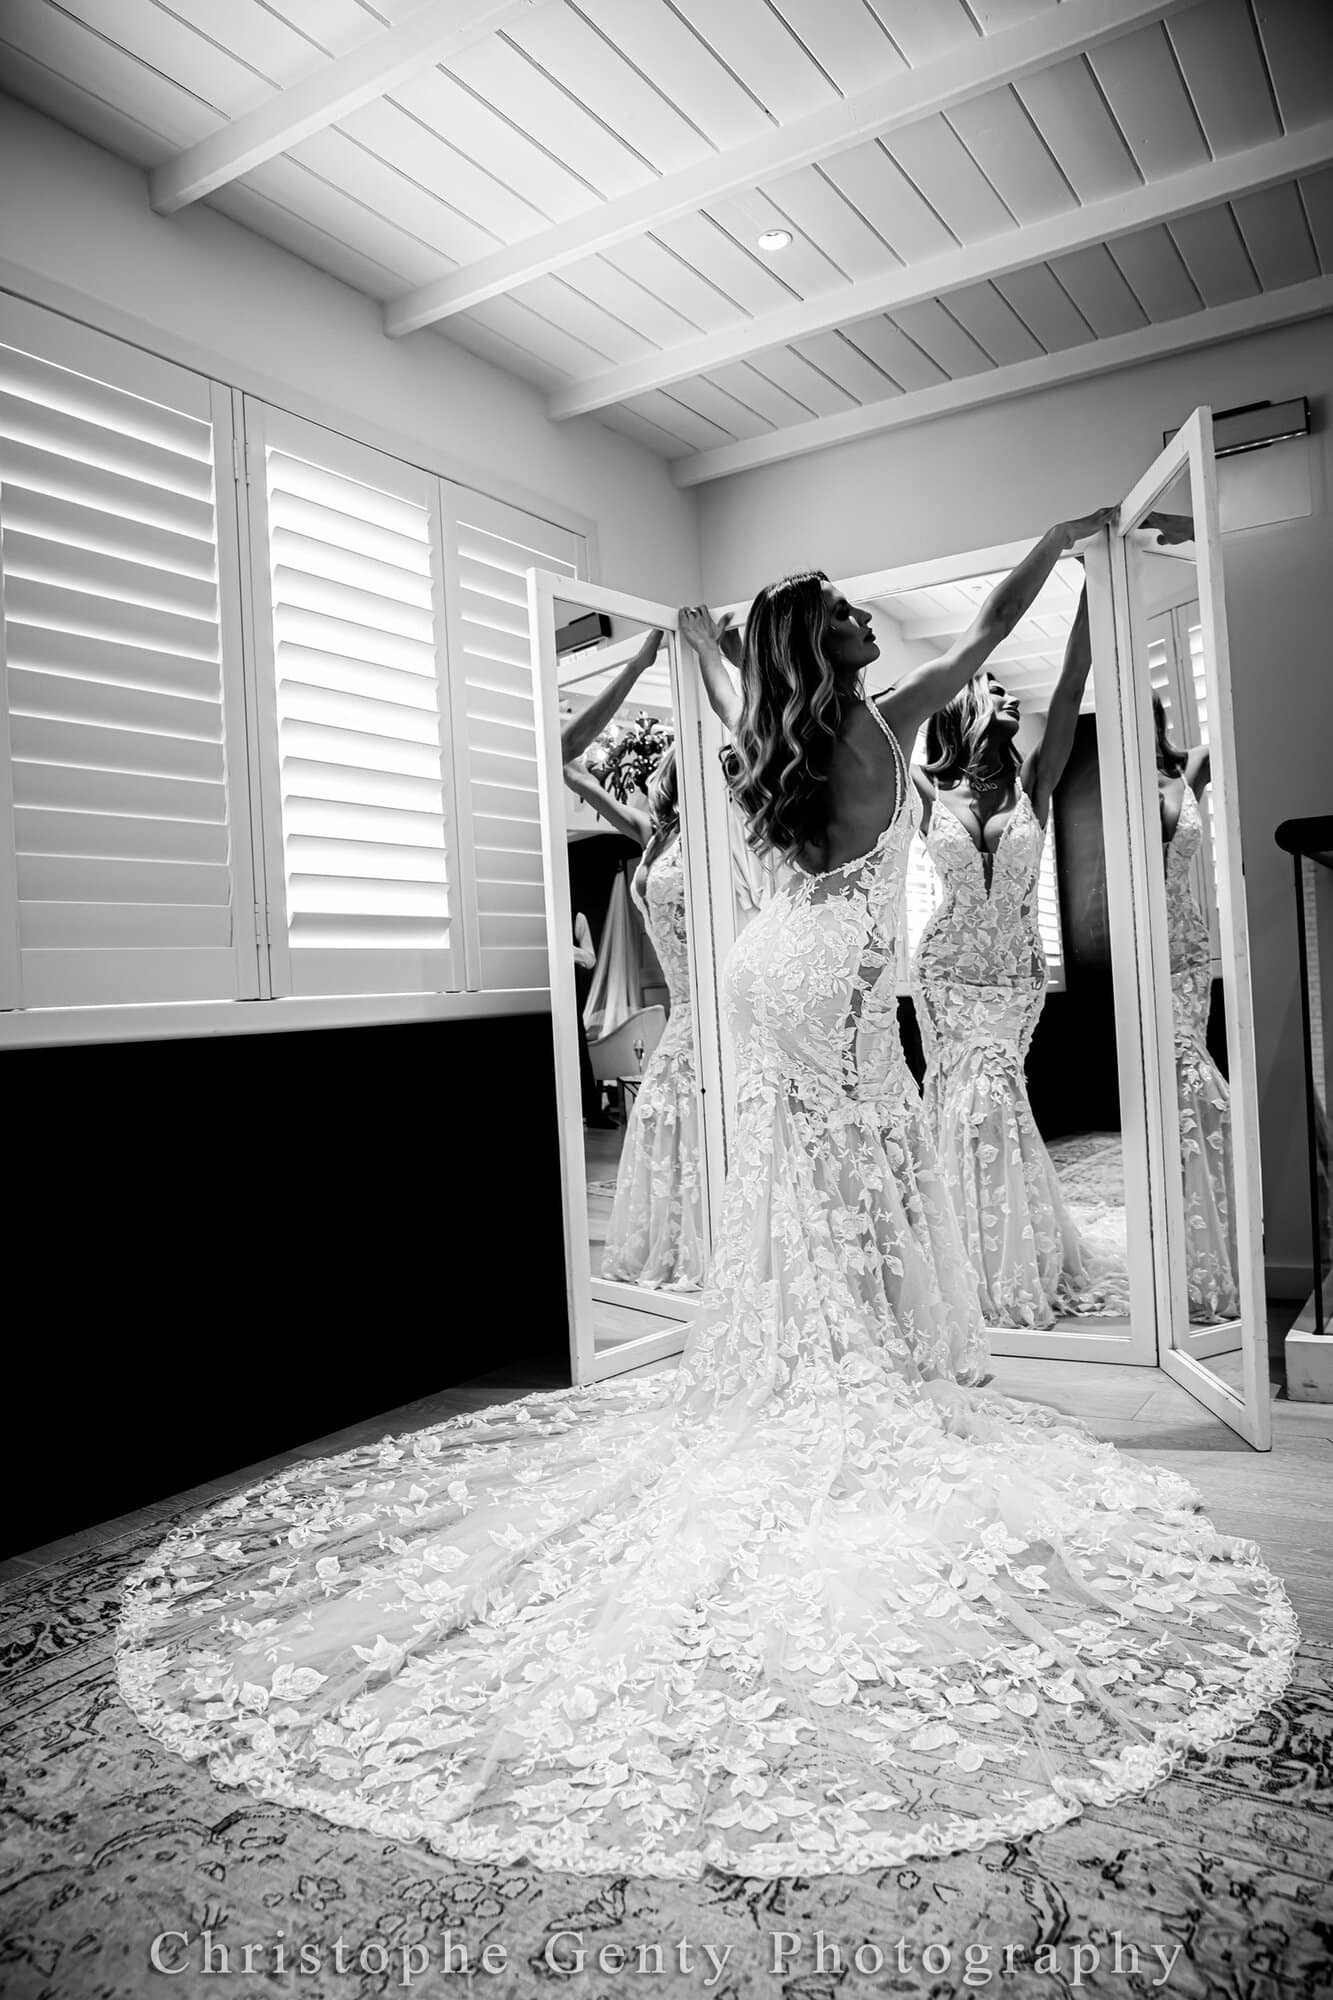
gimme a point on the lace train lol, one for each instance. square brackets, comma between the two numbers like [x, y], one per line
[810, 1603]
[592, 1632]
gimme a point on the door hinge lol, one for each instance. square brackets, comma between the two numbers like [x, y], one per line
[240, 461]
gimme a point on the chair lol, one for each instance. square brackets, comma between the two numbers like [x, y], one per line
[613, 1055]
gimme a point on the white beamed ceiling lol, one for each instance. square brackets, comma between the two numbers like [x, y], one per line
[1110, 180]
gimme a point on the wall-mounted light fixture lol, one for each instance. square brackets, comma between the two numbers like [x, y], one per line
[1256, 424]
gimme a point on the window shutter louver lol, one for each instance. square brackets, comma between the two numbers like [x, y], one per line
[1207, 873]
[353, 697]
[489, 549]
[1175, 668]
[1048, 913]
[123, 703]
[923, 894]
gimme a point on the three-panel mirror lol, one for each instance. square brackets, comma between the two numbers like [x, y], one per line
[1073, 986]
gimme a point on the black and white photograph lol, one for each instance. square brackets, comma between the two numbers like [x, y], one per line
[666, 999]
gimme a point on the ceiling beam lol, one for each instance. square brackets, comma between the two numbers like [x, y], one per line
[431, 34]
[988, 64]
[1097, 357]
[932, 277]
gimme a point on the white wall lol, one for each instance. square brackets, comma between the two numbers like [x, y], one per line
[213, 295]
[1007, 471]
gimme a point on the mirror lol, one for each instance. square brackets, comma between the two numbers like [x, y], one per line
[1173, 641]
[638, 1143]
[1007, 979]
[1171, 686]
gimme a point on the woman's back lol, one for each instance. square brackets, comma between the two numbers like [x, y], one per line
[811, 984]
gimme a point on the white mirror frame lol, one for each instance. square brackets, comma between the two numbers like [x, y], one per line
[583, 1290]
[1181, 1350]
[1136, 1343]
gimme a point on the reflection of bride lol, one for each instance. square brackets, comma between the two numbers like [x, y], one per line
[979, 984]
[1201, 1092]
[807, 1603]
[655, 1236]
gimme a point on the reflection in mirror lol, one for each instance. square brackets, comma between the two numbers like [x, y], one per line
[1008, 956]
[713, 648]
[1310, 844]
[640, 1103]
[1164, 581]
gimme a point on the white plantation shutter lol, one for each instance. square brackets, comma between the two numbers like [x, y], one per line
[1160, 674]
[489, 549]
[1175, 668]
[1048, 913]
[923, 895]
[121, 723]
[1192, 649]
[354, 736]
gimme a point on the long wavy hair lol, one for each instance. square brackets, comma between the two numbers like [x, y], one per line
[792, 705]
[1169, 759]
[960, 742]
[663, 803]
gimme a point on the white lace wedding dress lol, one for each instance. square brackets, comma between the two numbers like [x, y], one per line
[806, 1604]
[656, 1233]
[1202, 1097]
[979, 985]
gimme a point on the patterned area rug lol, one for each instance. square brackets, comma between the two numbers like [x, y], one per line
[1218, 1880]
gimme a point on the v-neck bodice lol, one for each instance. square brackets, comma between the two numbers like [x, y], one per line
[985, 931]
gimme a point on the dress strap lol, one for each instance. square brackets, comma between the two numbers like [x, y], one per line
[900, 762]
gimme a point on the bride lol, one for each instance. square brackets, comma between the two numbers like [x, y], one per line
[809, 1603]
[979, 984]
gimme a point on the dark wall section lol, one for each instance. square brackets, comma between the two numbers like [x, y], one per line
[594, 863]
[240, 1243]
[1073, 1074]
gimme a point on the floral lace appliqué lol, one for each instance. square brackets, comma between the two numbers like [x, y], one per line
[811, 1603]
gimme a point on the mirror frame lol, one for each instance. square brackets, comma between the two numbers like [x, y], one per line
[584, 1290]
[1190, 453]
[1136, 1344]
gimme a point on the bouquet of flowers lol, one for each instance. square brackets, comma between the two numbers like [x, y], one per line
[625, 756]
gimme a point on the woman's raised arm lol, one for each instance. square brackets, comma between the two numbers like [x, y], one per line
[713, 640]
[1046, 764]
[920, 693]
[635, 825]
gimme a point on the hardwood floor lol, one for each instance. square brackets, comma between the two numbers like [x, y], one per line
[1282, 1499]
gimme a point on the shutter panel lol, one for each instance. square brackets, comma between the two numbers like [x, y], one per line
[923, 891]
[489, 549]
[1206, 876]
[122, 718]
[1048, 913]
[352, 698]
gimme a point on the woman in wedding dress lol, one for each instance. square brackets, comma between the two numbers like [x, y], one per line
[807, 1603]
[979, 985]
[655, 1236]
[1202, 1096]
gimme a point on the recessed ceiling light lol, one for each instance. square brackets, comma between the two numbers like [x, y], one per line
[775, 239]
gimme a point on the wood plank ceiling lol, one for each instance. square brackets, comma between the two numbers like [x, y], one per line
[981, 196]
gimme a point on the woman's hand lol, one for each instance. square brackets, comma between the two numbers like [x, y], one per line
[700, 629]
[1170, 529]
[1087, 525]
[716, 641]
